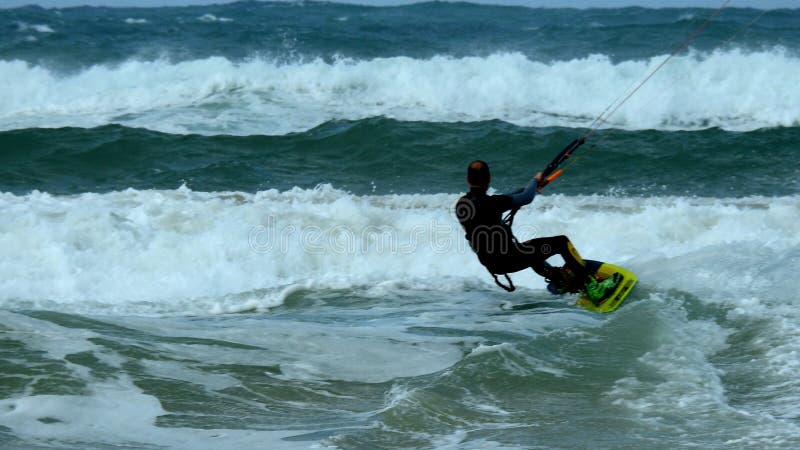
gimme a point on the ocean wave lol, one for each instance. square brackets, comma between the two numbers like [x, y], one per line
[261, 96]
[180, 251]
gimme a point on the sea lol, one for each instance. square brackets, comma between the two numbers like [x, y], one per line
[232, 227]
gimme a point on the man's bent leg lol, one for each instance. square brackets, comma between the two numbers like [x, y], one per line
[534, 254]
[540, 249]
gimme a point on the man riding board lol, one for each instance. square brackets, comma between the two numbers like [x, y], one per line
[498, 250]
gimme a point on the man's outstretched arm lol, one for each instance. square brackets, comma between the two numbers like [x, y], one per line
[526, 195]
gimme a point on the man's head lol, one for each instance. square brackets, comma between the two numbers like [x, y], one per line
[478, 174]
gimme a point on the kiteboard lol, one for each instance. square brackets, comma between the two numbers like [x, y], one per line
[601, 271]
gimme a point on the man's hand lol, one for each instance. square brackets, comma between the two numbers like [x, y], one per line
[538, 179]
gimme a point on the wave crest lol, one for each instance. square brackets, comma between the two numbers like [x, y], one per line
[180, 251]
[260, 96]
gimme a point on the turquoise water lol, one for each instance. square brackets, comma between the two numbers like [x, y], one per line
[231, 227]
[385, 156]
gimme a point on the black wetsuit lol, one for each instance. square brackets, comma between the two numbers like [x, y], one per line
[491, 239]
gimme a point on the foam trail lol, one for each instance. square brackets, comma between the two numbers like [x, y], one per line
[183, 251]
[134, 420]
[262, 96]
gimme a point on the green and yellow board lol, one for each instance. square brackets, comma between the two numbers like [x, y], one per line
[602, 271]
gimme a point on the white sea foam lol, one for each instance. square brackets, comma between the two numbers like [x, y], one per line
[179, 251]
[132, 21]
[42, 28]
[183, 251]
[86, 418]
[39, 28]
[213, 18]
[262, 96]
[680, 359]
[133, 421]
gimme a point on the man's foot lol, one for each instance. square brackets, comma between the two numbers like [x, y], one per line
[562, 282]
[597, 291]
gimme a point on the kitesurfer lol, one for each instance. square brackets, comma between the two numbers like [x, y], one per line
[498, 250]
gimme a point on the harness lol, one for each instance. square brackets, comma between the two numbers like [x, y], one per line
[510, 287]
[508, 220]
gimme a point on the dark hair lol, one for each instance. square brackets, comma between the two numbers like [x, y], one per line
[478, 173]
